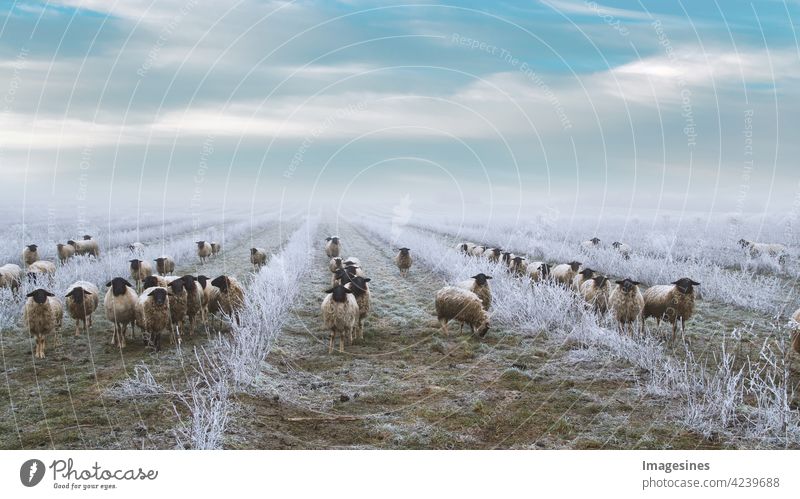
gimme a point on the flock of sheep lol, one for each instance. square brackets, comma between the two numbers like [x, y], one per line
[158, 301]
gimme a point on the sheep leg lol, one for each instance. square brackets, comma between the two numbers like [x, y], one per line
[44, 345]
[360, 329]
[77, 327]
[341, 343]
[330, 341]
[443, 322]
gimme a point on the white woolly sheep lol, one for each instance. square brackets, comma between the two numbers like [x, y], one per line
[518, 266]
[477, 251]
[43, 315]
[352, 261]
[85, 247]
[464, 306]
[81, 300]
[41, 268]
[10, 276]
[564, 273]
[479, 284]
[165, 265]
[796, 332]
[231, 296]
[30, 254]
[591, 244]
[360, 289]
[332, 246]
[152, 314]
[215, 247]
[195, 301]
[335, 264]
[136, 248]
[506, 257]
[671, 302]
[403, 261]
[203, 251]
[584, 275]
[465, 247]
[755, 250]
[623, 249]
[120, 305]
[258, 257]
[210, 295]
[595, 292]
[140, 270]
[64, 252]
[538, 271]
[627, 303]
[177, 299]
[493, 254]
[340, 314]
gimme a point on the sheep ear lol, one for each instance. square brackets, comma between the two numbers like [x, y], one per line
[48, 293]
[128, 284]
[488, 277]
[108, 284]
[635, 283]
[329, 290]
[30, 295]
[367, 279]
[695, 283]
[619, 282]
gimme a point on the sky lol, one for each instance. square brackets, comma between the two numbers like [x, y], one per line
[578, 105]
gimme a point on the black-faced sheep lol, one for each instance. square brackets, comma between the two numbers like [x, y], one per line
[81, 300]
[332, 246]
[339, 313]
[478, 251]
[564, 273]
[493, 254]
[136, 248]
[755, 250]
[152, 314]
[518, 266]
[403, 261]
[43, 315]
[258, 257]
[30, 254]
[591, 244]
[623, 249]
[796, 332]
[596, 292]
[120, 306]
[360, 289]
[584, 275]
[64, 252]
[479, 284]
[203, 251]
[627, 303]
[215, 247]
[464, 306]
[85, 247]
[10, 276]
[140, 270]
[671, 302]
[165, 265]
[177, 299]
[231, 296]
[538, 271]
[465, 247]
[195, 301]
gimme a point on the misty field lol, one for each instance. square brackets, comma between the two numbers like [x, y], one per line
[550, 373]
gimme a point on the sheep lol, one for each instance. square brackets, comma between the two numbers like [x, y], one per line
[672, 302]
[517, 266]
[332, 246]
[591, 244]
[584, 275]
[43, 315]
[479, 284]
[477, 251]
[140, 269]
[41, 267]
[403, 261]
[360, 289]
[493, 254]
[30, 254]
[353, 262]
[538, 271]
[10, 276]
[462, 305]
[154, 281]
[796, 332]
[203, 251]
[231, 296]
[755, 250]
[335, 264]
[506, 258]
[627, 303]
[465, 247]
[195, 301]
[152, 314]
[177, 300]
[64, 252]
[623, 249]
[136, 248]
[564, 273]
[215, 247]
[120, 305]
[595, 292]
[81, 300]
[210, 294]
[85, 247]
[258, 257]
[339, 313]
[165, 265]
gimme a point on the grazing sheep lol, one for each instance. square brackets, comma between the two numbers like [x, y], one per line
[581, 277]
[596, 292]
[564, 273]
[627, 303]
[30, 254]
[506, 258]
[64, 252]
[120, 304]
[231, 296]
[152, 314]
[517, 266]
[136, 248]
[623, 249]
[85, 247]
[672, 302]
[479, 284]
[81, 300]
[41, 267]
[360, 289]
[493, 254]
[203, 251]
[165, 265]
[755, 250]
[465, 247]
[43, 315]
[477, 251]
[538, 271]
[403, 261]
[177, 300]
[796, 332]
[464, 306]
[195, 301]
[10, 276]
[215, 247]
[591, 244]
[339, 313]
[258, 257]
[332, 246]
[140, 270]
